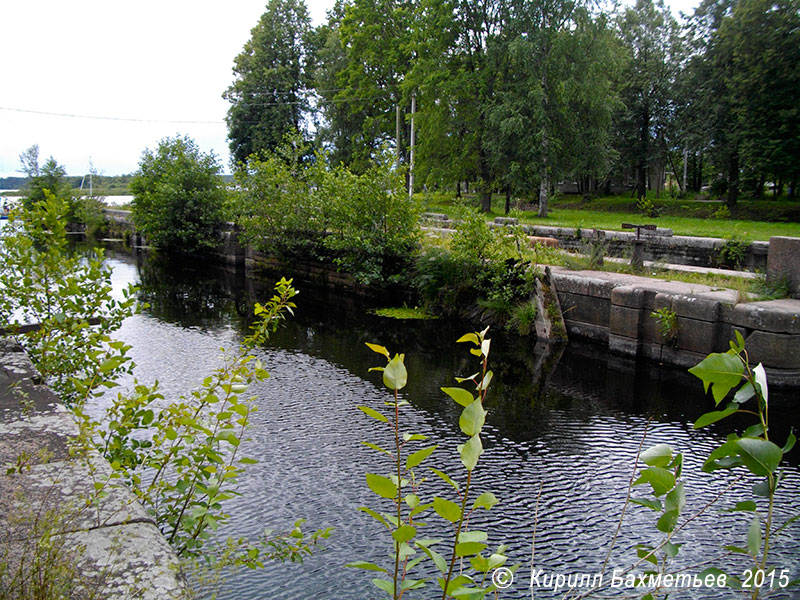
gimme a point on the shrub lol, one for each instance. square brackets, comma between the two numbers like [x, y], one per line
[178, 196]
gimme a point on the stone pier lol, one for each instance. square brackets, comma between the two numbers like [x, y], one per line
[60, 516]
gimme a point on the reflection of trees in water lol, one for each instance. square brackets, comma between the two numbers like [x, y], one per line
[190, 292]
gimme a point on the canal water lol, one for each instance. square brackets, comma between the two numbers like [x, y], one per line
[562, 434]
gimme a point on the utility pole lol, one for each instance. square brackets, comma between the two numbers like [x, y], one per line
[411, 150]
[397, 134]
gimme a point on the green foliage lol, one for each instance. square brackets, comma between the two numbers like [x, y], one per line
[182, 458]
[44, 180]
[402, 487]
[752, 451]
[523, 317]
[734, 252]
[667, 324]
[292, 206]
[647, 208]
[270, 94]
[178, 196]
[474, 241]
[46, 284]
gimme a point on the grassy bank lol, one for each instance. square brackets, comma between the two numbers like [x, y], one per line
[753, 220]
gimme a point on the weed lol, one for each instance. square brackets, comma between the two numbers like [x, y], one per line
[667, 323]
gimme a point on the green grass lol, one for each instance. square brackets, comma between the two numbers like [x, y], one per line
[684, 217]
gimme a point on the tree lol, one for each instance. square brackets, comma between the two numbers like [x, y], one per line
[377, 36]
[270, 96]
[457, 74]
[49, 177]
[342, 129]
[651, 37]
[555, 100]
[764, 87]
[178, 196]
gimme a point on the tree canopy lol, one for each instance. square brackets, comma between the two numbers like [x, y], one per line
[522, 95]
[178, 196]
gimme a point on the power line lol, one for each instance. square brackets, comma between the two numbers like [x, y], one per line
[101, 118]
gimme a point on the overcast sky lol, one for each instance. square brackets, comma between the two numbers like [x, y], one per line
[142, 71]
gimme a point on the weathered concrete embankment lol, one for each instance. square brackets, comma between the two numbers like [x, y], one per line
[617, 310]
[59, 510]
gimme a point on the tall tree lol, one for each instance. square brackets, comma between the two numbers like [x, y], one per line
[377, 38]
[457, 75]
[341, 130]
[270, 95]
[651, 37]
[764, 87]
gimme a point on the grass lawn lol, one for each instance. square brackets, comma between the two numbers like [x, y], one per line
[684, 217]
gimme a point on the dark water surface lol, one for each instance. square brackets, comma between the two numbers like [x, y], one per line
[563, 430]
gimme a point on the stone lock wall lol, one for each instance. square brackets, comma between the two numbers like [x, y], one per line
[617, 309]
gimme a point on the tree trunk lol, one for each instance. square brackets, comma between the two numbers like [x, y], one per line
[644, 138]
[508, 199]
[458, 189]
[733, 180]
[485, 184]
[544, 183]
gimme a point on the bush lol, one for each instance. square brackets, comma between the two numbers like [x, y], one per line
[178, 196]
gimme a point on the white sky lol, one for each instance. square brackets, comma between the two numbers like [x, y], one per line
[145, 66]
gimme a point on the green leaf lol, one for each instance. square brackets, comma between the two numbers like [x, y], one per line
[646, 552]
[383, 486]
[377, 516]
[672, 549]
[414, 437]
[412, 500]
[676, 499]
[471, 452]
[736, 549]
[654, 504]
[385, 585]
[460, 395]
[446, 509]
[473, 536]
[404, 533]
[360, 564]
[412, 584]
[378, 349]
[721, 372]
[657, 456]
[445, 477]
[659, 479]
[469, 337]
[486, 500]
[715, 415]
[760, 456]
[373, 413]
[761, 489]
[744, 393]
[472, 419]
[754, 536]
[376, 447]
[667, 521]
[437, 558]
[417, 457]
[395, 375]
[469, 548]
[790, 441]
